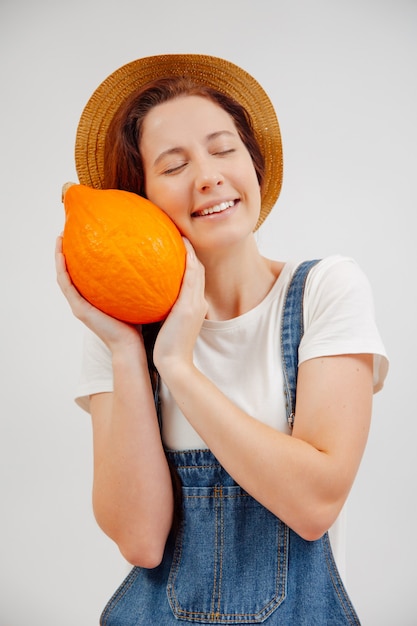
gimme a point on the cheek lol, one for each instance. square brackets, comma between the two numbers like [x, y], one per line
[155, 193]
[168, 200]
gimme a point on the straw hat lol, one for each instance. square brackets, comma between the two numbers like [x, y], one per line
[217, 73]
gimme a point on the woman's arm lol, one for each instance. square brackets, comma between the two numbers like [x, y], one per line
[305, 478]
[132, 489]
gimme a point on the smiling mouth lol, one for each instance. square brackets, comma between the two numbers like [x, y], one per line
[217, 208]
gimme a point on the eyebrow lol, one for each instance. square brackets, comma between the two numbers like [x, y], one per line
[179, 150]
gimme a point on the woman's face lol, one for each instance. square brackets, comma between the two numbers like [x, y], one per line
[198, 170]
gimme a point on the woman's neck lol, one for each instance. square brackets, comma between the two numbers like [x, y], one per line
[237, 279]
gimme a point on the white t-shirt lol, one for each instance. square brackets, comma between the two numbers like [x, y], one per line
[242, 356]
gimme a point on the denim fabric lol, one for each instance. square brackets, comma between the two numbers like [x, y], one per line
[232, 561]
[292, 329]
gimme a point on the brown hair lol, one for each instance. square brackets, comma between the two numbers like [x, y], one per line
[123, 166]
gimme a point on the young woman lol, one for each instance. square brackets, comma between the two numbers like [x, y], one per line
[218, 495]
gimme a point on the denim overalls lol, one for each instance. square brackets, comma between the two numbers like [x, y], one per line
[232, 561]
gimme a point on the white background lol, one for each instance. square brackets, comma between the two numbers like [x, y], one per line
[342, 75]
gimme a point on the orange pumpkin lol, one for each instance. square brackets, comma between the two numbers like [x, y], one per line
[123, 253]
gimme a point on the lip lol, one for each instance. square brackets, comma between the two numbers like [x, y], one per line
[221, 206]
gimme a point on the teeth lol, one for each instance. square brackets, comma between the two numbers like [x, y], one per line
[218, 208]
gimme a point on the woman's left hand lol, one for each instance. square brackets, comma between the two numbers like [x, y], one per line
[176, 339]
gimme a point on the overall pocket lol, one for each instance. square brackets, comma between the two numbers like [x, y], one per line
[230, 559]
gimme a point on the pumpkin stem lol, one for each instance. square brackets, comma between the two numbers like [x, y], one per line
[65, 187]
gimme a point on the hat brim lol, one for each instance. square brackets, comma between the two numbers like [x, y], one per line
[215, 72]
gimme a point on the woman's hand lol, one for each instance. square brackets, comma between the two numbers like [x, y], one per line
[113, 332]
[176, 339]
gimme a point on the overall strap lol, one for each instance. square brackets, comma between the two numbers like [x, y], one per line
[292, 330]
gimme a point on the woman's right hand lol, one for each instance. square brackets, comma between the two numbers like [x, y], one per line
[113, 332]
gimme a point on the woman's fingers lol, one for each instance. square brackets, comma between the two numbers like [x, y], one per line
[113, 332]
[77, 303]
[192, 288]
[178, 334]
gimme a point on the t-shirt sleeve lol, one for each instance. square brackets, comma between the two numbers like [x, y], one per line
[339, 315]
[96, 370]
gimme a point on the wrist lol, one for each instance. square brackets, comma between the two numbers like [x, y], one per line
[129, 349]
[176, 373]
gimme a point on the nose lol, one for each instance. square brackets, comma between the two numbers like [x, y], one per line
[207, 175]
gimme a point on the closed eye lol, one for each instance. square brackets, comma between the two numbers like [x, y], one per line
[224, 152]
[174, 170]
